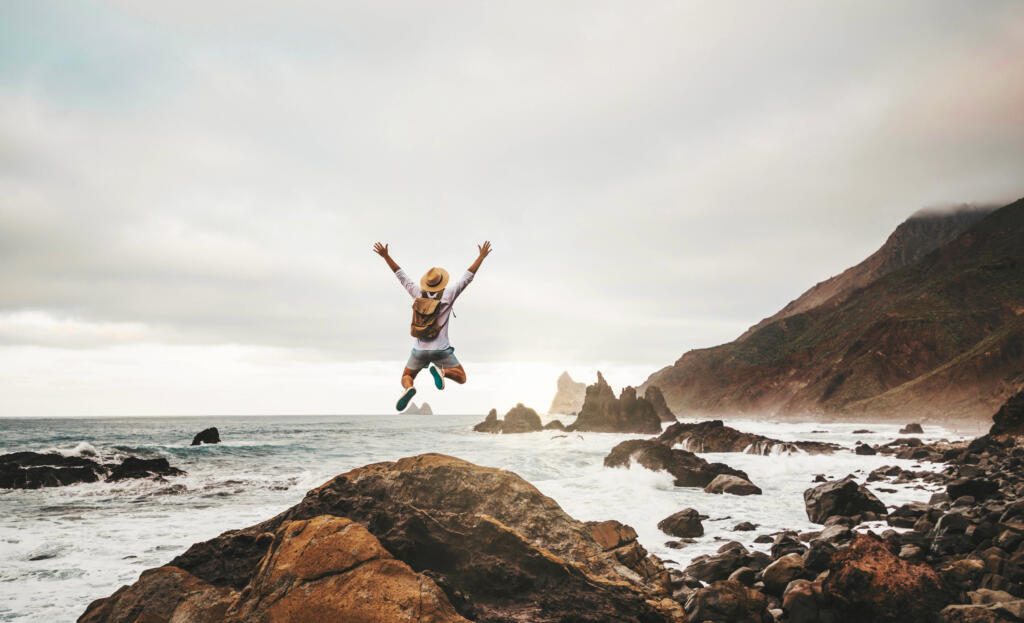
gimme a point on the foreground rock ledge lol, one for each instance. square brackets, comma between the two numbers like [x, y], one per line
[428, 538]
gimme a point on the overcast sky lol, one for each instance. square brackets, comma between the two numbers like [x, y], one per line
[189, 191]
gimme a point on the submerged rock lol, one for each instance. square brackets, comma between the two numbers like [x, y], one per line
[912, 429]
[715, 436]
[207, 435]
[843, 497]
[602, 412]
[726, 483]
[687, 469]
[476, 543]
[133, 467]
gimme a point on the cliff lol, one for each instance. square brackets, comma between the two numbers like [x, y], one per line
[944, 331]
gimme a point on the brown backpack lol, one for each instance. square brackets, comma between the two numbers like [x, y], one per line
[425, 316]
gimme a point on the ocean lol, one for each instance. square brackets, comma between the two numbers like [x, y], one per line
[63, 547]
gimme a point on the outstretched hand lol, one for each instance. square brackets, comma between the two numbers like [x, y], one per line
[485, 250]
[382, 250]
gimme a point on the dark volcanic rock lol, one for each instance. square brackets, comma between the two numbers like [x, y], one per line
[912, 429]
[133, 467]
[1009, 420]
[977, 488]
[520, 419]
[207, 435]
[715, 436]
[654, 396]
[688, 469]
[685, 523]
[602, 412]
[33, 470]
[864, 450]
[480, 541]
[840, 497]
[554, 425]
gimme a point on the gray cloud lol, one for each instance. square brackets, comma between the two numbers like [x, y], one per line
[654, 178]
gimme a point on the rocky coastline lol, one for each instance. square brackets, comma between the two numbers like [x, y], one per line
[435, 538]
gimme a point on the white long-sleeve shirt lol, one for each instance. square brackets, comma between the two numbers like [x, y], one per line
[448, 296]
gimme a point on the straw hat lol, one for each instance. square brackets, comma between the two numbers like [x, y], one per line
[435, 280]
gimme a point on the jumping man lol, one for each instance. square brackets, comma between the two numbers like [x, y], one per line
[431, 308]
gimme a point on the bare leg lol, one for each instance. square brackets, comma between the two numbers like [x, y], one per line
[457, 374]
[408, 376]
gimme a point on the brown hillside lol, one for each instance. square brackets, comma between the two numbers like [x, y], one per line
[940, 337]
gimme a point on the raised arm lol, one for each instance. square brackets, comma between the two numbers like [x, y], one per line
[485, 250]
[382, 250]
[409, 285]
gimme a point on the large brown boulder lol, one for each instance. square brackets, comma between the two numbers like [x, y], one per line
[654, 396]
[868, 582]
[602, 412]
[314, 570]
[715, 436]
[688, 469]
[843, 497]
[494, 548]
[1009, 420]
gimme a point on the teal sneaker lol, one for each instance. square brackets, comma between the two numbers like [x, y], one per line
[438, 377]
[403, 402]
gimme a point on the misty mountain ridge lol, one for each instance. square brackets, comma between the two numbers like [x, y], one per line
[930, 326]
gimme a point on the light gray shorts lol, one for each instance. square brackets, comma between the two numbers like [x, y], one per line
[444, 358]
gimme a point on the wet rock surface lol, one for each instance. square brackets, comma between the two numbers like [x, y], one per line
[687, 469]
[845, 498]
[715, 436]
[685, 523]
[35, 470]
[207, 435]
